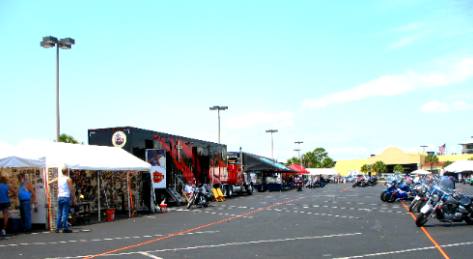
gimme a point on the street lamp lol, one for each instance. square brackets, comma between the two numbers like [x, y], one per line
[218, 108]
[423, 148]
[66, 43]
[272, 143]
[299, 150]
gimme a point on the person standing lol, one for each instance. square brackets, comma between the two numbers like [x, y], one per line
[65, 200]
[4, 203]
[26, 196]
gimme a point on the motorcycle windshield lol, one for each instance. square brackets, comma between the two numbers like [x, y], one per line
[446, 184]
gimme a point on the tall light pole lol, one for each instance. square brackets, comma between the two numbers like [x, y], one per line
[272, 143]
[299, 150]
[65, 43]
[423, 148]
[218, 109]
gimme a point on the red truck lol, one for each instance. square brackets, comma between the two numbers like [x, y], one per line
[236, 180]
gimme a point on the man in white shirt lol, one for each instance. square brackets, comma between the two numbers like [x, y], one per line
[65, 200]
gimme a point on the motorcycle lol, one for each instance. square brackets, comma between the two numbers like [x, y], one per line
[200, 197]
[446, 205]
[396, 191]
[422, 196]
[361, 182]
[372, 181]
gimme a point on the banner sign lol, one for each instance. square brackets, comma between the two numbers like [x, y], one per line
[157, 159]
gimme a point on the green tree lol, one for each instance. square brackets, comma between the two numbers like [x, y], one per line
[431, 159]
[328, 162]
[293, 160]
[447, 163]
[398, 169]
[379, 167]
[318, 158]
[67, 139]
[365, 168]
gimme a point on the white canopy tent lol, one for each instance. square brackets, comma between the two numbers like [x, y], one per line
[44, 155]
[322, 171]
[460, 166]
[21, 162]
[82, 157]
[421, 172]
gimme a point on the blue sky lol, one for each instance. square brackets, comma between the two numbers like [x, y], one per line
[353, 78]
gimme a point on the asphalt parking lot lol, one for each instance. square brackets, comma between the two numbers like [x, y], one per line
[337, 221]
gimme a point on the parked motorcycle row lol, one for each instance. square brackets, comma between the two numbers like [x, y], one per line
[199, 197]
[362, 181]
[431, 198]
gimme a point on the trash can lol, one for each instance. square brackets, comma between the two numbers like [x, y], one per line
[110, 215]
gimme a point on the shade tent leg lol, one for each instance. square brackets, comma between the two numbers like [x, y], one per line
[129, 194]
[98, 196]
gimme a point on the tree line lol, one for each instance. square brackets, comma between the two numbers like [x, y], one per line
[317, 158]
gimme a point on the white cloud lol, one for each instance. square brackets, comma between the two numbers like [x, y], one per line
[268, 119]
[410, 27]
[440, 106]
[348, 152]
[408, 34]
[405, 41]
[393, 85]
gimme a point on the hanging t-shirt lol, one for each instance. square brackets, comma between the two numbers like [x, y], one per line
[4, 193]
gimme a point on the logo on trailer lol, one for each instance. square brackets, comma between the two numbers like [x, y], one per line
[119, 139]
[157, 177]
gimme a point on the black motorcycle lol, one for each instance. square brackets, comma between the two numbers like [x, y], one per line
[360, 183]
[372, 181]
[446, 205]
[200, 197]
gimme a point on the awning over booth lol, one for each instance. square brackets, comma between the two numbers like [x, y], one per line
[460, 166]
[421, 172]
[12, 157]
[21, 162]
[254, 162]
[81, 157]
[322, 171]
[299, 168]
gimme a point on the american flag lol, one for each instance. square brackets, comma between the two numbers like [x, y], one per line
[442, 149]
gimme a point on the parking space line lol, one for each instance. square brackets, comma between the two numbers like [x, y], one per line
[427, 234]
[149, 255]
[242, 243]
[406, 250]
[100, 239]
[203, 226]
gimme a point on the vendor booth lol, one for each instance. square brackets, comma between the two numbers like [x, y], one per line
[270, 175]
[106, 179]
[12, 167]
[461, 169]
[318, 177]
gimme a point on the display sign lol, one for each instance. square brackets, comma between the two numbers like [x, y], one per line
[119, 139]
[157, 159]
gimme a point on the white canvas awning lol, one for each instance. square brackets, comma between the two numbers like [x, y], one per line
[460, 166]
[21, 162]
[322, 171]
[421, 172]
[81, 157]
[12, 157]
